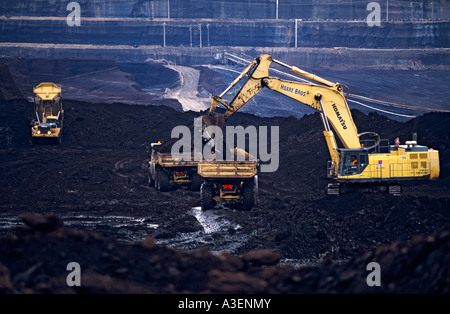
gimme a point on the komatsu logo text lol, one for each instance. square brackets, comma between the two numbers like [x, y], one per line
[338, 115]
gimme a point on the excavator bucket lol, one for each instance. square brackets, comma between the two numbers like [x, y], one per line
[213, 119]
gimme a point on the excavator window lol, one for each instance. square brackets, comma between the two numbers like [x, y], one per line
[350, 159]
[363, 160]
[354, 162]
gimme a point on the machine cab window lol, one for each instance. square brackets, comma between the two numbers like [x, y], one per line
[354, 161]
[52, 121]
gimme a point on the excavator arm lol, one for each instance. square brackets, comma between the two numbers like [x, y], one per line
[330, 102]
[327, 98]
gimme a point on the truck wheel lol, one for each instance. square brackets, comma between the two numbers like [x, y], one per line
[150, 171]
[163, 181]
[196, 182]
[151, 182]
[248, 195]
[206, 195]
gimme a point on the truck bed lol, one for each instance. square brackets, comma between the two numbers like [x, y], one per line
[166, 160]
[227, 169]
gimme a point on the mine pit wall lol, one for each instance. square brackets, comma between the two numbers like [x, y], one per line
[326, 44]
[213, 32]
[306, 58]
[254, 9]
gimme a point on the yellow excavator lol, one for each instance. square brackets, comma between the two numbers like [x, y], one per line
[354, 163]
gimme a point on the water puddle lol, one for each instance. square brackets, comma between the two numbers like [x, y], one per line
[218, 234]
[210, 221]
[112, 221]
[7, 223]
[125, 228]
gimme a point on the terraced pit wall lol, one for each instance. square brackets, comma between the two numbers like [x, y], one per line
[225, 9]
[214, 33]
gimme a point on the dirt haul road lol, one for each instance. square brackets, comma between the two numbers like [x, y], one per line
[186, 93]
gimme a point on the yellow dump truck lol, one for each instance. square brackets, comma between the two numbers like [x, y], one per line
[228, 182]
[165, 171]
[48, 112]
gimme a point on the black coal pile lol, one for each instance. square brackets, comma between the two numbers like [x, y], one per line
[99, 170]
[34, 261]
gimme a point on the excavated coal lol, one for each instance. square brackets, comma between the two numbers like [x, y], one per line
[97, 209]
[33, 261]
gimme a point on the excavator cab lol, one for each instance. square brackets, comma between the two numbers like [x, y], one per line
[353, 161]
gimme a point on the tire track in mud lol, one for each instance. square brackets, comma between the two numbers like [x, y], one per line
[126, 168]
[119, 165]
[43, 165]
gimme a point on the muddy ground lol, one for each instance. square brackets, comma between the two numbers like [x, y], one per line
[119, 228]
[100, 212]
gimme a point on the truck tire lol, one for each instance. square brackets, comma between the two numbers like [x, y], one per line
[157, 181]
[151, 182]
[248, 195]
[163, 181]
[196, 182]
[206, 196]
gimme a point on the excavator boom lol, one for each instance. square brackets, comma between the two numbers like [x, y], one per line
[328, 100]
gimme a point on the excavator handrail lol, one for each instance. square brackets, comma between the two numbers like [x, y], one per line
[377, 142]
